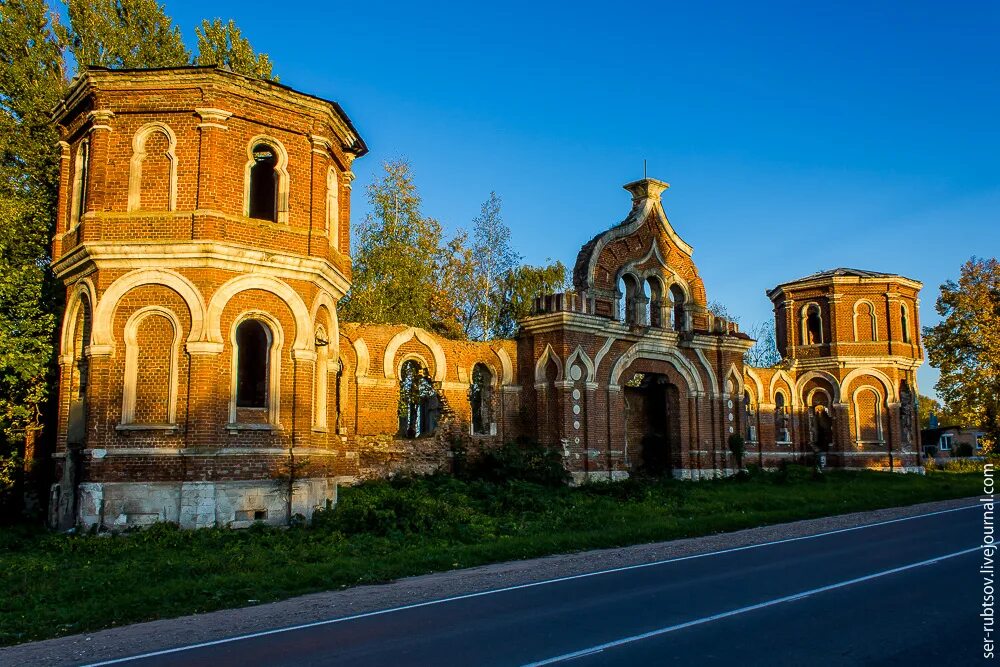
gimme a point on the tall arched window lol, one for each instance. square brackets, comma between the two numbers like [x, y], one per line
[321, 377]
[264, 183]
[332, 207]
[812, 324]
[481, 400]
[152, 182]
[655, 302]
[867, 416]
[865, 322]
[630, 295]
[678, 299]
[253, 348]
[904, 322]
[781, 430]
[749, 418]
[81, 171]
[419, 403]
[152, 339]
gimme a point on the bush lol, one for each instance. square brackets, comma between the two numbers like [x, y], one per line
[522, 461]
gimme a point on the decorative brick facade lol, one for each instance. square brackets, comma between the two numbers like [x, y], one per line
[203, 239]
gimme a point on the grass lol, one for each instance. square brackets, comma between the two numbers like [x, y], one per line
[63, 584]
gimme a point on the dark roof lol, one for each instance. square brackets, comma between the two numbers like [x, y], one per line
[843, 271]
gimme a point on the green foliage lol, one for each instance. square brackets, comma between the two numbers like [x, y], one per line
[398, 259]
[31, 82]
[522, 461]
[965, 346]
[124, 34]
[224, 45]
[519, 289]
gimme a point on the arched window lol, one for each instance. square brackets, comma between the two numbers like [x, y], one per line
[781, 430]
[81, 171]
[253, 348]
[332, 207]
[264, 183]
[622, 292]
[152, 339]
[749, 418]
[812, 324]
[630, 293]
[678, 299]
[904, 322]
[867, 416]
[481, 400]
[321, 377]
[655, 291]
[419, 403]
[152, 182]
[865, 322]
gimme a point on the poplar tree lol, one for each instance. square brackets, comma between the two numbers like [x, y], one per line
[494, 260]
[965, 347]
[124, 34]
[223, 44]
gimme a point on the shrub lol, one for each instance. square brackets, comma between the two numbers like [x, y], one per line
[524, 461]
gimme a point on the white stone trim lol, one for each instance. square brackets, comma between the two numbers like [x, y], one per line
[364, 358]
[232, 287]
[579, 354]
[644, 350]
[139, 155]
[130, 388]
[321, 369]
[81, 174]
[890, 390]
[823, 375]
[104, 311]
[547, 354]
[83, 294]
[333, 207]
[506, 366]
[440, 361]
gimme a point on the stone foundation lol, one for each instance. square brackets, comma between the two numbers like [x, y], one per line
[233, 504]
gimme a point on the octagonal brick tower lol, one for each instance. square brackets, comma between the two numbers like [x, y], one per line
[203, 240]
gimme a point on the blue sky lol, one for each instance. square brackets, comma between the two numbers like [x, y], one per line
[796, 136]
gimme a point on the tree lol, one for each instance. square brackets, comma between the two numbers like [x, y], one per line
[520, 287]
[492, 260]
[124, 34]
[31, 83]
[718, 309]
[764, 352]
[223, 44]
[402, 268]
[965, 346]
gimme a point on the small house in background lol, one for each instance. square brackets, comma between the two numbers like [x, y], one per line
[951, 441]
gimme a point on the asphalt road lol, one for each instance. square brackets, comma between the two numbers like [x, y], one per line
[902, 592]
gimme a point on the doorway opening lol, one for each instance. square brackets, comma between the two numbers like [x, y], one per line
[652, 424]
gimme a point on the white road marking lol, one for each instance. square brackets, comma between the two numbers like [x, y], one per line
[344, 619]
[742, 610]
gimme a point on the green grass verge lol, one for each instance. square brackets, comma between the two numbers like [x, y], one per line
[62, 584]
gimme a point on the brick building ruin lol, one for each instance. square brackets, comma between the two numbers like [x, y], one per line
[203, 240]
